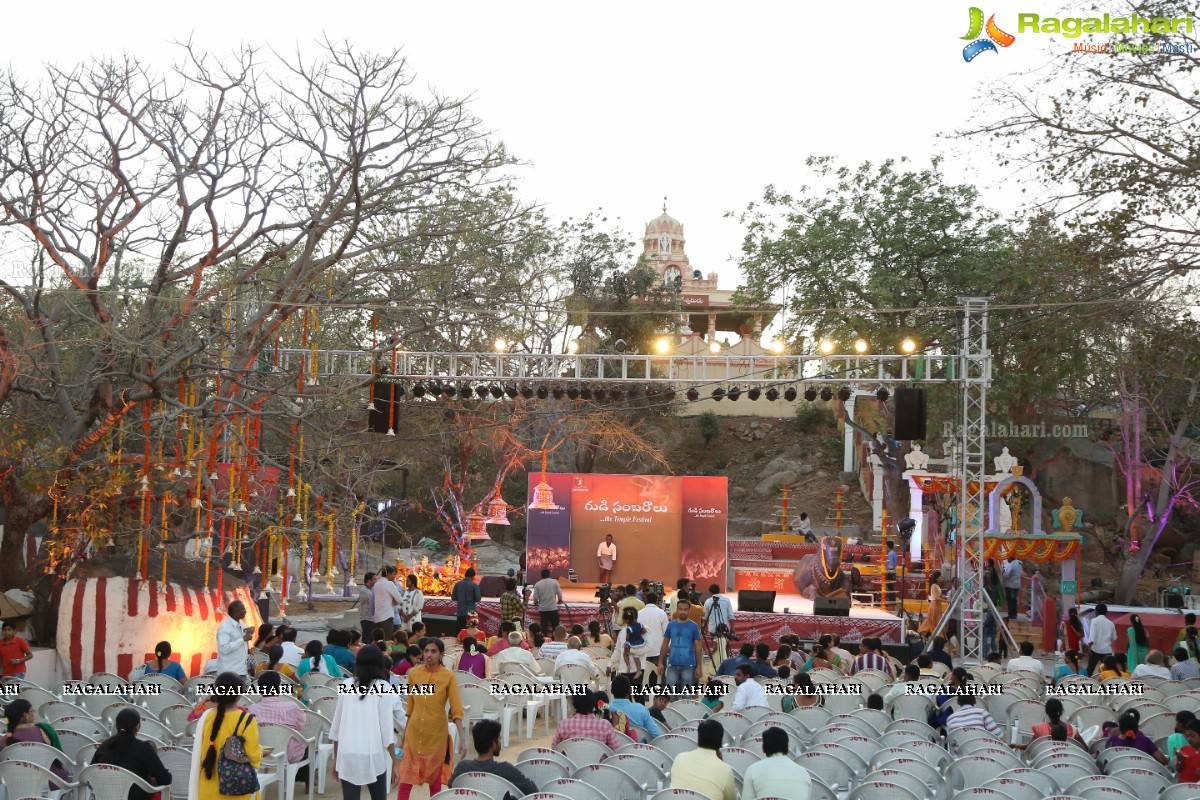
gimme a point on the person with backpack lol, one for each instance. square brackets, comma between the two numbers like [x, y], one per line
[227, 755]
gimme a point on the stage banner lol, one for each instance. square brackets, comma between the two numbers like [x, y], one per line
[664, 527]
[548, 534]
[705, 530]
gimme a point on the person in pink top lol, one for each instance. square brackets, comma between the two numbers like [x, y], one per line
[279, 710]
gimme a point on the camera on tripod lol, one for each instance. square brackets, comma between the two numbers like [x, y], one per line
[724, 631]
[604, 592]
[656, 587]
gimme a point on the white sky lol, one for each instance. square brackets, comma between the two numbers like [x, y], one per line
[616, 104]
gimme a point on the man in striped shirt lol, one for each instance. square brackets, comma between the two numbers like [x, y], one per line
[871, 658]
[968, 715]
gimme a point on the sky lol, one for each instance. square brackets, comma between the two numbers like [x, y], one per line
[619, 104]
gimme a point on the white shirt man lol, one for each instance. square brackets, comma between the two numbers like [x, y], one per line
[410, 610]
[232, 647]
[607, 553]
[515, 654]
[1101, 634]
[292, 654]
[574, 655]
[655, 620]
[717, 610]
[387, 599]
[750, 693]
[1026, 663]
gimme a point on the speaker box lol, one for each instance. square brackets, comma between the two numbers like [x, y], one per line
[380, 418]
[831, 606]
[910, 414]
[1173, 601]
[491, 585]
[763, 602]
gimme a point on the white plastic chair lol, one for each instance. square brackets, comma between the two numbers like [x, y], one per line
[833, 771]
[316, 728]
[157, 703]
[675, 743]
[584, 751]
[613, 782]
[574, 789]
[647, 773]
[905, 780]
[552, 755]
[1145, 782]
[25, 779]
[647, 751]
[178, 761]
[1181, 791]
[492, 785]
[108, 781]
[278, 737]
[72, 742]
[464, 794]
[38, 753]
[881, 790]
[678, 794]
[1081, 785]
[543, 770]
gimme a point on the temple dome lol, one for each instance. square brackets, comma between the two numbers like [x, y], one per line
[664, 223]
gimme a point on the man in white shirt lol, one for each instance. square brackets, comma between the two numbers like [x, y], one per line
[292, 652]
[776, 775]
[1100, 637]
[232, 640]
[655, 621]
[557, 645]
[1026, 661]
[750, 692]
[387, 600]
[574, 655]
[414, 601]
[606, 556]
[515, 654]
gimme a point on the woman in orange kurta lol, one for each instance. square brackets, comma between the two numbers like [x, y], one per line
[933, 614]
[427, 738]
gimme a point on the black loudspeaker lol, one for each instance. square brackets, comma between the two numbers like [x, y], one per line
[910, 414]
[831, 606]
[763, 602]
[1173, 601]
[381, 415]
[491, 586]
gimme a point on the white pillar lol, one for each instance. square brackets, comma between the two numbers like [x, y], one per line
[877, 497]
[848, 440]
[917, 512]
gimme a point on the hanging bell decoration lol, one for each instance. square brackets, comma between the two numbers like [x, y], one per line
[302, 596]
[543, 498]
[329, 589]
[498, 511]
[291, 492]
[350, 584]
[241, 508]
[196, 502]
[477, 526]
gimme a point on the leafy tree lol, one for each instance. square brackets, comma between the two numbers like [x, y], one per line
[709, 425]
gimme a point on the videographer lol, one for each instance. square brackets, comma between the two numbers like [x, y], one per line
[718, 622]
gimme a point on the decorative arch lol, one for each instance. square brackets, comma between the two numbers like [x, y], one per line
[998, 492]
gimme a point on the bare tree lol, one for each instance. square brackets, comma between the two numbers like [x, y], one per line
[164, 231]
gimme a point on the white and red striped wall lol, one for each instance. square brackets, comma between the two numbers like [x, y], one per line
[113, 624]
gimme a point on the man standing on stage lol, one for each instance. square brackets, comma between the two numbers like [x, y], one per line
[607, 556]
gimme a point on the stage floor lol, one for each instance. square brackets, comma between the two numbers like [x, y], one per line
[784, 603]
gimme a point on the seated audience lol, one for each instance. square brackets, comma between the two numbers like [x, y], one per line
[551, 649]
[24, 727]
[1070, 666]
[968, 715]
[938, 653]
[1177, 740]
[637, 713]
[123, 749]
[317, 660]
[702, 769]
[473, 660]
[1185, 668]
[406, 660]
[750, 693]
[574, 655]
[1155, 667]
[515, 654]
[803, 693]
[1128, 735]
[279, 710]
[745, 656]
[163, 665]
[762, 663]
[472, 630]
[336, 648]
[585, 724]
[597, 638]
[777, 775]
[274, 663]
[871, 658]
[1026, 661]
[486, 737]
[1189, 755]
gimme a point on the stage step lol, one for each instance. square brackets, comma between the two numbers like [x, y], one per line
[1026, 631]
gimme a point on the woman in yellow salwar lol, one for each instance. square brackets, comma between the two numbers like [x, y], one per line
[215, 728]
[427, 738]
[933, 612]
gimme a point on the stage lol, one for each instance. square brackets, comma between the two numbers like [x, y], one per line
[792, 616]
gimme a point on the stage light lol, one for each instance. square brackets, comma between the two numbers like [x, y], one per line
[826, 394]
[557, 392]
[573, 392]
[718, 393]
[692, 394]
[573, 346]
[542, 393]
[860, 346]
[772, 394]
[497, 392]
[511, 391]
[754, 393]
[662, 346]
[844, 394]
[621, 345]
[826, 347]
[464, 391]
[669, 395]
[419, 390]
[789, 394]
[734, 393]
[585, 393]
[500, 345]
[777, 347]
[810, 394]
[435, 389]
[882, 394]
[714, 347]
[908, 346]
[526, 392]
[598, 393]
[651, 392]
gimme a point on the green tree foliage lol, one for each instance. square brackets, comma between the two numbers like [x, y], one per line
[709, 425]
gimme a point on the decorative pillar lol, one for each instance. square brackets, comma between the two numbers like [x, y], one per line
[848, 438]
[712, 326]
[916, 510]
[878, 513]
[757, 324]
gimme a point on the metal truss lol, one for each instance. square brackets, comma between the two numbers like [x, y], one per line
[747, 371]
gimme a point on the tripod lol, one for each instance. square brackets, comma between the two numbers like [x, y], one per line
[717, 648]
